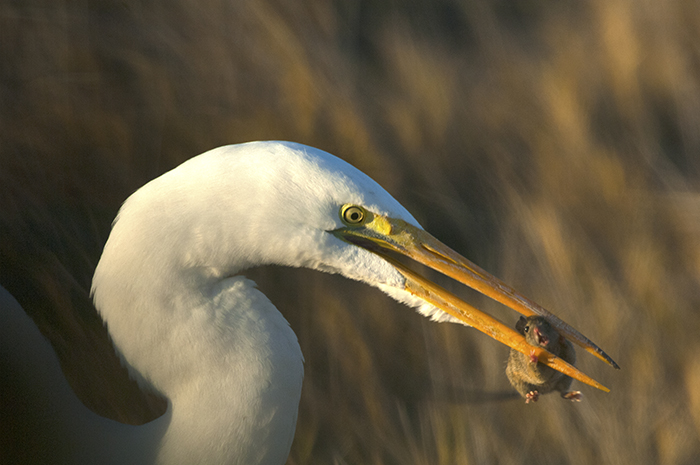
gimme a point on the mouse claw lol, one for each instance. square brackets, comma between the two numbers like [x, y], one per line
[573, 396]
[532, 396]
[533, 357]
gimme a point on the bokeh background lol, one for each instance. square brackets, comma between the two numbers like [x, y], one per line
[556, 144]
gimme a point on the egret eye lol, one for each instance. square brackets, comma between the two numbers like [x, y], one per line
[352, 214]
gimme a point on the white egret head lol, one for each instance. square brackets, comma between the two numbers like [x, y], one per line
[283, 203]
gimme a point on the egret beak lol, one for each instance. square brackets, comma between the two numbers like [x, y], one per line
[382, 235]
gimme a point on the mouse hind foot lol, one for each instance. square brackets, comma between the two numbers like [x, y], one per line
[574, 396]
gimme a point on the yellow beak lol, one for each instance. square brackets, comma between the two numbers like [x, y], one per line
[383, 235]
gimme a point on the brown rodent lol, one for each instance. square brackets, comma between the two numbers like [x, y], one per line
[532, 378]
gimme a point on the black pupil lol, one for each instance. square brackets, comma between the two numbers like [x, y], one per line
[354, 216]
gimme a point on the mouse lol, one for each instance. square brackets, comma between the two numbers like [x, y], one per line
[530, 377]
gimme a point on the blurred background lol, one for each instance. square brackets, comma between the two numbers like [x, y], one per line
[556, 144]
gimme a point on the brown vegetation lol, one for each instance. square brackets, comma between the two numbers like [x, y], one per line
[556, 144]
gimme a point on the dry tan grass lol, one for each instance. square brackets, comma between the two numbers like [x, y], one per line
[557, 145]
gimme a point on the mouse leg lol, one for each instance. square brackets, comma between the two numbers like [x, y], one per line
[532, 396]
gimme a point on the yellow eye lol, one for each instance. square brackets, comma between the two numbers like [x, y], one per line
[352, 214]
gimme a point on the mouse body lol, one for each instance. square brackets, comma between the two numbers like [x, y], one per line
[532, 378]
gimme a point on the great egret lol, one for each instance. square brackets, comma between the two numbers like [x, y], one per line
[188, 324]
